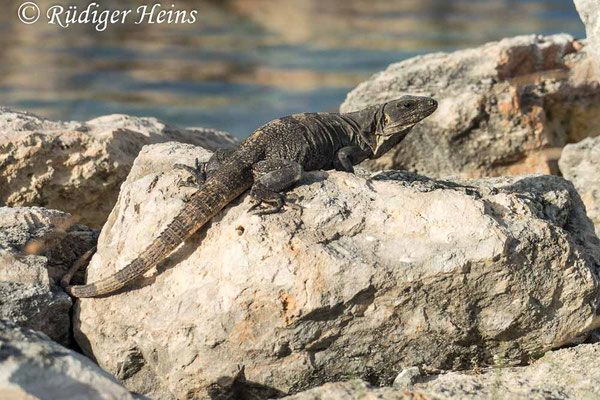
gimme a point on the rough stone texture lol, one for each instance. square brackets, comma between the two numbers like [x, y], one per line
[371, 277]
[589, 11]
[355, 389]
[78, 167]
[37, 246]
[407, 378]
[568, 374]
[33, 367]
[505, 108]
[580, 163]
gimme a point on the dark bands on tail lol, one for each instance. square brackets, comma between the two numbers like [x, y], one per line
[166, 242]
[203, 205]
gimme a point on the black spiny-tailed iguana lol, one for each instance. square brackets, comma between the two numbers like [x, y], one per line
[269, 162]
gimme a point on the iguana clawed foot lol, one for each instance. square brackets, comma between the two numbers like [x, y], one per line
[201, 171]
[271, 178]
[198, 172]
[275, 205]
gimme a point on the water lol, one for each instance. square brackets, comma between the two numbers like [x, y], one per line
[244, 62]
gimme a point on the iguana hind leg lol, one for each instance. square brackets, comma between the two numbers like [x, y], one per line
[198, 172]
[271, 178]
[204, 170]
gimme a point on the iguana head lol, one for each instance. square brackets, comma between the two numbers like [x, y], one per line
[392, 121]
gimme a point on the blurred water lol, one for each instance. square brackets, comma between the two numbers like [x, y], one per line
[244, 62]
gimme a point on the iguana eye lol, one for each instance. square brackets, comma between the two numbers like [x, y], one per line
[406, 105]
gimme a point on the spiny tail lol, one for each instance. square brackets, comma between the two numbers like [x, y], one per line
[203, 205]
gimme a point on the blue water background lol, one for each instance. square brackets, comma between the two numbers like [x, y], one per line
[244, 62]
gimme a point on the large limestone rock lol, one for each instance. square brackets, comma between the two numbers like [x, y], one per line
[505, 108]
[78, 167]
[580, 163]
[568, 374]
[589, 11]
[34, 367]
[37, 246]
[371, 276]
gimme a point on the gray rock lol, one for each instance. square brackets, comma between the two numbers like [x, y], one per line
[37, 246]
[590, 15]
[352, 390]
[505, 108]
[580, 163]
[34, 367]
[568, 374]
[78, 167]
[407, 378]
[371, 277]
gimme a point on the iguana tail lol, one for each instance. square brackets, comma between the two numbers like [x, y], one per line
[214, 195]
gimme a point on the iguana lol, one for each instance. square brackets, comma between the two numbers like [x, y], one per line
[270, 161]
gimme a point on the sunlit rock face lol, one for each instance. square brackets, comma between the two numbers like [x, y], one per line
[368, 277]
[34, 367]
[505, 108]
[580, 163]
[589, 11]
[78, 167]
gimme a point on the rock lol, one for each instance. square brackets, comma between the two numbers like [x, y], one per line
[580, 163]
[37, 246]
[560, 375]
[371, 277]
[78, 167]
[407, 378]
[590, 15]
[34, 367]
[505, 108]
[352, 390]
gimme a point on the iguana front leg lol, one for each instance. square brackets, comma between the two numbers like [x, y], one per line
[204, 170]
[271, 178]
[348, 156]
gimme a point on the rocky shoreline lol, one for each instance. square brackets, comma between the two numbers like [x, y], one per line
[394, 279]
[473, 273]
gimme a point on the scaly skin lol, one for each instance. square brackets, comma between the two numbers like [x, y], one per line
[271, 160]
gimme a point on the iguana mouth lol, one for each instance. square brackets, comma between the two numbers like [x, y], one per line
[420, 113]
[397, 128]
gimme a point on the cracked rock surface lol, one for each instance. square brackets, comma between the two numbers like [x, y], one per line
[372, 276]
[505, 108]
[566, 374]
[37, 246]
[78, 167]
